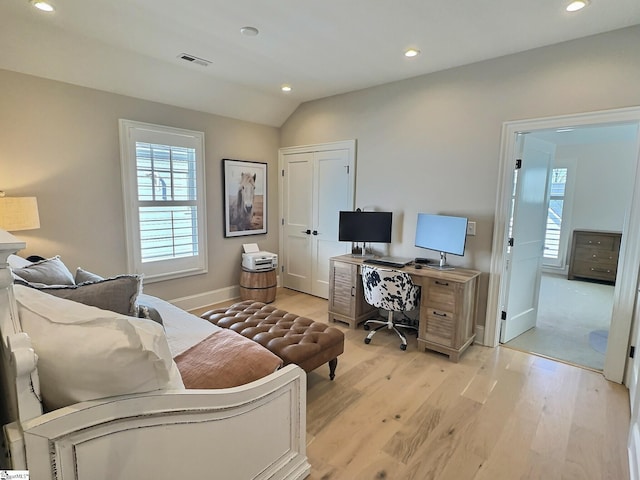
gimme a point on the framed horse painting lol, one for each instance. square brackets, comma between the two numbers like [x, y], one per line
[245, 197]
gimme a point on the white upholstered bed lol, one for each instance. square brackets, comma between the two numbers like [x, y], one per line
[255, 430]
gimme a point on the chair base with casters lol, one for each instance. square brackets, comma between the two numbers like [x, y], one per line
[390, 325]
[391, 290]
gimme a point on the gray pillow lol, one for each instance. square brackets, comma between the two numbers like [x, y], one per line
[117, 294]
[148, 312]
[83, 276]
[48, 272]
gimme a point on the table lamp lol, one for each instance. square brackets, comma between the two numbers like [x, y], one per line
[18, 213]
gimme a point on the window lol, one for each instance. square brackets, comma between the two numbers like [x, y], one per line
[554, 213]
[163, 183]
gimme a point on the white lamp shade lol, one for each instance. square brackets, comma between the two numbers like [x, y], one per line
[19, 213]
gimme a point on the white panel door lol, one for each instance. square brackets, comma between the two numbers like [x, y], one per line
[332, 194]
[523, 267]
[317, 182]
[297, 221]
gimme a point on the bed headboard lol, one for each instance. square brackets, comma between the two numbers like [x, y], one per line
[18, 376]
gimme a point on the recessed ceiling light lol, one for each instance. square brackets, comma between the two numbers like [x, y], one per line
[249, 31]
[42, 5]
[576, 5]
[412, 52]
[286, 88]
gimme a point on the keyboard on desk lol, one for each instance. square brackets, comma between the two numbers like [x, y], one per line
[388, 262]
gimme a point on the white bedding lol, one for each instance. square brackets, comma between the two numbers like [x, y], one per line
[183, 329]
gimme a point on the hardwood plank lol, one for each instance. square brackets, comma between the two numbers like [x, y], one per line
[498, 414]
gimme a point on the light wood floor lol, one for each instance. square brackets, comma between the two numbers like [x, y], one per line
[497, 414]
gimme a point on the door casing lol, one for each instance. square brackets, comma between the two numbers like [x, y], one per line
[615, 368]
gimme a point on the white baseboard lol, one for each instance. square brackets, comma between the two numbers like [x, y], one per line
[479, 335]
[207, 298]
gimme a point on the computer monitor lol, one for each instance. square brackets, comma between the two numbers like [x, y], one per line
[359, 226]
[441, 233]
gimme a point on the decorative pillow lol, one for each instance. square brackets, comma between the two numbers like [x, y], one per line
[85, 353]
[15, 261]
[83, 276]
[117, 294]
[48, 272]
[148, 312]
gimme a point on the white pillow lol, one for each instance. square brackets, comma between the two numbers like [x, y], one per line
[85, 353]
[15, 261]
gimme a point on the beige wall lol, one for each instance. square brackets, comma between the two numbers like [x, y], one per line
[60, 143]
[437, 136]
[432, 143]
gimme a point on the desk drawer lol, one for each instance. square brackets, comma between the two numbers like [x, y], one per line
[439, 327]
[439, 294]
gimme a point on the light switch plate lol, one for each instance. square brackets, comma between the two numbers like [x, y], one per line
[471, 228]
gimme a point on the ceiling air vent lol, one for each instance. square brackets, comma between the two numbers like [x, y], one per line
[193, 59]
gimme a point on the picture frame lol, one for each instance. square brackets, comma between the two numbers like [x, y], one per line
[245, 197]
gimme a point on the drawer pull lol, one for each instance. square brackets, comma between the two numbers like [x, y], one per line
[438, 314]
[445, 284]
[604, 270]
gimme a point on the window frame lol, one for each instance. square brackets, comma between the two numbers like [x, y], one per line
[565, 228]
[132, 132]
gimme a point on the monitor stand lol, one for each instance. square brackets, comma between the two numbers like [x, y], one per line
[442, 265]
[360, 252]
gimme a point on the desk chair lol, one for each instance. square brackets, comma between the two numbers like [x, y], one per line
[390, 290]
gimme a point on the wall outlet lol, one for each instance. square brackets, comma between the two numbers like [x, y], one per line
[471, 228]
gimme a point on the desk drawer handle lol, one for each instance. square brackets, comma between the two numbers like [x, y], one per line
[445, 284]
[438, 314]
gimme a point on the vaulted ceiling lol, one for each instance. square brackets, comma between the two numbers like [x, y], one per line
[319, 48]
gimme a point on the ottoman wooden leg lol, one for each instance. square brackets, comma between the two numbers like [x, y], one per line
[332, 368]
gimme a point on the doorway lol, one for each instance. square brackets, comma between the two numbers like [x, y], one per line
[627, 277]
[573, 316]
[315, 183]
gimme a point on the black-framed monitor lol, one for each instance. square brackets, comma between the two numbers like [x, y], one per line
[365, 227]
[442, 233]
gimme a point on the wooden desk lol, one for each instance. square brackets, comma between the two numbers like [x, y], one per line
[448, 303]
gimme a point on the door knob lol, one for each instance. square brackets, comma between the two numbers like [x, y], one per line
[307, 231]
[315, 232]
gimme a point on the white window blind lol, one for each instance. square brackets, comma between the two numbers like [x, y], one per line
[554, 213]
[163, 180]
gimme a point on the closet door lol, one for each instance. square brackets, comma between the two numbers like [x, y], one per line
[297, 220]
[317, 182]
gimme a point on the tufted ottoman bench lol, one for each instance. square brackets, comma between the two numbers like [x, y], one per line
[294, 339]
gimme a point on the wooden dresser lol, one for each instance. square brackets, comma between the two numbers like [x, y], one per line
[594, 255]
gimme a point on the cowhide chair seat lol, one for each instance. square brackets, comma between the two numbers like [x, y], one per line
[391, 290]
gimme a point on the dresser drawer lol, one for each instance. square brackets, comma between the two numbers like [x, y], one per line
[593, 270]
[605, 242]
[595, 255]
